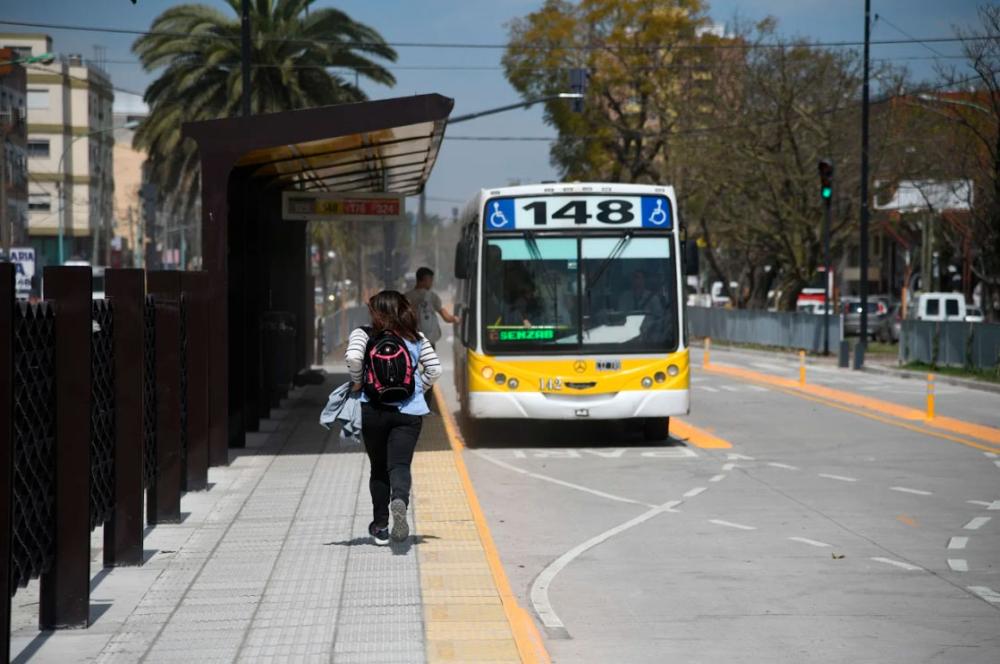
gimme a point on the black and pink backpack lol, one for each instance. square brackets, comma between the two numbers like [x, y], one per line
[388, 368]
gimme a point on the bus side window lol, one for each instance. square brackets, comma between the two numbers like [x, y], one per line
[465, 269]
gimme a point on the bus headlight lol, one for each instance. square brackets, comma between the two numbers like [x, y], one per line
[659, 376]
[500, 379]
[647, 382]
[673, 370]
[487, 372]
[513, 383]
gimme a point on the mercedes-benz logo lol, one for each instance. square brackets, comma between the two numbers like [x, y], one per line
[579, 366]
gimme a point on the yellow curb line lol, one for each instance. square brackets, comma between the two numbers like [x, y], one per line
[526, 635]
[698, 437]
[858, 404]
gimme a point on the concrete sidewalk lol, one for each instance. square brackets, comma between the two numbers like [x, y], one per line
[273, 563]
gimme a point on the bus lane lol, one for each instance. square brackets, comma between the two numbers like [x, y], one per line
[815, 514]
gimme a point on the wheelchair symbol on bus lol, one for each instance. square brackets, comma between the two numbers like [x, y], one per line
[658, 217]
[497, 218]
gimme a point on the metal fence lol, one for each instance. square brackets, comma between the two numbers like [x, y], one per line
[102, 414]
[766, 328]
[951, 344]
[337, 327]
[32, 531]
[82, 381]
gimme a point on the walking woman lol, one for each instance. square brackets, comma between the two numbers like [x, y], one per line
[393, 365]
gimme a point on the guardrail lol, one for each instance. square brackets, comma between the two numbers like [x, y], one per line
[116, 386]
[950, 344]
[766, 328]
[337, 327]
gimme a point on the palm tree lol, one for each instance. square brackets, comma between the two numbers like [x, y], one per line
[293, 52]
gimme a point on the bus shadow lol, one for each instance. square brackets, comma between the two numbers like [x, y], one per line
[556, 434]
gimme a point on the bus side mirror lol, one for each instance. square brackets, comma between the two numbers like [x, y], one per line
[690, 249]
[462, 259]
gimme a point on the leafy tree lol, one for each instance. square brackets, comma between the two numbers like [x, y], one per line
[976, 152]
[292, 52]
[643, 77]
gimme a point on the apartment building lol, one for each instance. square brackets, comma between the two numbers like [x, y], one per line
[13, 153]
[69, 147]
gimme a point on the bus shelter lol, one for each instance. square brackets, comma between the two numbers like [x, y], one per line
[257, 258]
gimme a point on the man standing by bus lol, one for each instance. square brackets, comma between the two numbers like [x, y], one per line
[428, 306]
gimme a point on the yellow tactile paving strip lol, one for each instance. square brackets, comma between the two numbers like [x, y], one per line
[470, 613]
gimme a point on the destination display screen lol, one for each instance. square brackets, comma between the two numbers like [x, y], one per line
[532, 334]
[577, 212]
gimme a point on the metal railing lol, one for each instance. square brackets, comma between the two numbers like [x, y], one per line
[32, 533]
[337, 327]
[766, 328]
[950, 344]
[102, 414]
[102, 385]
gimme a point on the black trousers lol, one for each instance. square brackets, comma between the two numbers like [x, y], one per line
[390, 440]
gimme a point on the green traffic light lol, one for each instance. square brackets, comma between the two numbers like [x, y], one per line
[827, 192]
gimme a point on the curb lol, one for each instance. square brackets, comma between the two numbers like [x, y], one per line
[939, 378]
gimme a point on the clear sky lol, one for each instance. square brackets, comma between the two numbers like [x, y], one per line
[465, 166]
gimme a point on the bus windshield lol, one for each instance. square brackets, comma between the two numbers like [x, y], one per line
[572, 294]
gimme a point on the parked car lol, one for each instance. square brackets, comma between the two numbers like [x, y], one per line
[940, 307]
[974, 314]
[889, 327]
[878, 308]
[814, 308]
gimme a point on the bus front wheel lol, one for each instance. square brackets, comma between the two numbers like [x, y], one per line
[656, 429]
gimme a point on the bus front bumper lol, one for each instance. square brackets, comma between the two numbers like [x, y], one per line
[548, 406]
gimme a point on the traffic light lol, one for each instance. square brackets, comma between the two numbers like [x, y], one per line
[826, 180]
[578, 85]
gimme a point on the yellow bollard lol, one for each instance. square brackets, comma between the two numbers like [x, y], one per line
[930, 396]
[802, 367]
[708, 351]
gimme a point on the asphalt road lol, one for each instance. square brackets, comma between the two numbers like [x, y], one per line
[822, 535]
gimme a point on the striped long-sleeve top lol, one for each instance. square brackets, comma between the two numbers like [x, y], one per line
[428, 367]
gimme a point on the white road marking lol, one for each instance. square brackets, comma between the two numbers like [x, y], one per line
[716, 478]
[733, 456]
[540, 587]
[897, 563]
[606, 454]
[992, 455]
[839, 477]
[728, 466]
[519, 454]
[958, 542]
[958, 565]
[758, 388]
[995, 505]
[775, 464]
[977, 523]
[553, 480]
[986, 593]
[810, 542]
[918, 492]
[730, 388]
[981, 503]
[707, 388]
[670, 453]
[694, 492]
[730, 524]
[997, 464]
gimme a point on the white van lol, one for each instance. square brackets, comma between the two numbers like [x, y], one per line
[941, 306]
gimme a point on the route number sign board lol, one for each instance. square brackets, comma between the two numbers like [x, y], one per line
[321, 206]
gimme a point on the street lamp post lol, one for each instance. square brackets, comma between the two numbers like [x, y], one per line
[59, 174]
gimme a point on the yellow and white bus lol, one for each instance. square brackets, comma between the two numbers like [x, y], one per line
[571, 305]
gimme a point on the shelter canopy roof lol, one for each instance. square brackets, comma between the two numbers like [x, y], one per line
[387, 145]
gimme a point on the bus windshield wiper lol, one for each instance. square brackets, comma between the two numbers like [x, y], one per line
[532, 244]
[616, 251]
